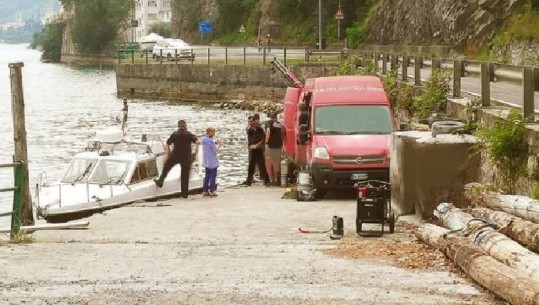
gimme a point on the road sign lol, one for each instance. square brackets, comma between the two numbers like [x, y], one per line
[205, 27]
[242, 29]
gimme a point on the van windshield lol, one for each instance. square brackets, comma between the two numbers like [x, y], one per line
[353, 119]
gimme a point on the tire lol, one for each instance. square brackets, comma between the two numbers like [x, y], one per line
[320, 193]
[391, 220]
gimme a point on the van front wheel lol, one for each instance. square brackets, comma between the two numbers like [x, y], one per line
[320, 193]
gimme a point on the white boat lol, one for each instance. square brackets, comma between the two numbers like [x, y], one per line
[112, 172]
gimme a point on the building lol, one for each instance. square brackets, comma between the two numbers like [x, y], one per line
[149, 12]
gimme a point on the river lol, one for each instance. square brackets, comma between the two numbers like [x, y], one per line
[65, 106]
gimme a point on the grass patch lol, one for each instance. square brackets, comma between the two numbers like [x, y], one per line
[22, 238]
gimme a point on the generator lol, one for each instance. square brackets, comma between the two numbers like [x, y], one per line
[374, 206]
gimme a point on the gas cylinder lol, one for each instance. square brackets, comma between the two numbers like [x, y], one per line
[284, 172]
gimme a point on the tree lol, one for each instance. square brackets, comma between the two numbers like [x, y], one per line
[98, 23]
[161, 28]
[50, 39]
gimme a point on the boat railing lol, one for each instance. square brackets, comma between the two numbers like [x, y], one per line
[89, 197]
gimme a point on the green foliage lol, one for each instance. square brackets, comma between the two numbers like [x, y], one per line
[507, 147]
[161, 28]
[534, 4]
[50, 40]
[356, 36]
[434, 94]
[233, 13]
[472, 109]
[98, 23]
[405, 98]
[391, 85]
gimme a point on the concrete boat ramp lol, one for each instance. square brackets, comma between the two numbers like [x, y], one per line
[242, 247]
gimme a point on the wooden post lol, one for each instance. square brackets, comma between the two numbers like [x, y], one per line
[528, 93]
[19, 136]
[384, 63]
[457, 73]
[404, 75]
[417, 70]
[485, 84]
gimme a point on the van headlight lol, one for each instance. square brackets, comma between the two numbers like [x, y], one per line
[321, 153]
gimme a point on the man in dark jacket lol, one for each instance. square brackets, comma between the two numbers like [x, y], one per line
[181, 139]
[256, 138]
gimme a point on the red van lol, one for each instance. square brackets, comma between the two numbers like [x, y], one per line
[339, 129]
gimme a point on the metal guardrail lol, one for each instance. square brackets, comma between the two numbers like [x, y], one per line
[527, 76]
[16, 212]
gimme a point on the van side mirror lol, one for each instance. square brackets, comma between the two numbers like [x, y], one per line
[303, 134]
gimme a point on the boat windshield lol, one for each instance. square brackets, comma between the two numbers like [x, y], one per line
[354, 119]
[109, 171]
[79, 170]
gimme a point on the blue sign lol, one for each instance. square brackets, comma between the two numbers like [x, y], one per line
[205, 27]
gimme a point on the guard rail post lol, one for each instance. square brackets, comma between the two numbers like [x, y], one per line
[436, 63]
[485, 84]
[133, 56]
[175, 56]
[119, 54]
[161, 56]
[226, 56]
[417, 70]
[404, 75]
[376, 59]
[394, 61]
[284, 56]
[384, 63]
[536, 77]
[528, 92]
[264, 57]
[307, 55]
[244, 56]
[146, 56]
[457, 74]
[208, 56]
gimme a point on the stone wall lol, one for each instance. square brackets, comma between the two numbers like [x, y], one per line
[202, 83]
[517, 52]
[450, 22]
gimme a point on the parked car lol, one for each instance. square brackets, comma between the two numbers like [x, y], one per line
[173, 49]
[147, 43]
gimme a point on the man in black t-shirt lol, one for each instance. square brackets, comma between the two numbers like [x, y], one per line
[255, 138]
[181, 139]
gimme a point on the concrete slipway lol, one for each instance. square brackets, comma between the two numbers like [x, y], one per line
[242, 247]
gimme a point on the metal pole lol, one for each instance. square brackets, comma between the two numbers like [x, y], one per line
[19, 136]
[528, 93]
[17, 198]
[319, 24]
[208, 56]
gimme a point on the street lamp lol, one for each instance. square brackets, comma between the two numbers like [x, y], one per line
[339, 16]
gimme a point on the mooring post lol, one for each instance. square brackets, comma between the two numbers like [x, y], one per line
[417, 70]
[19, 136]
[485, 84]
[528, 93]
[457, 74]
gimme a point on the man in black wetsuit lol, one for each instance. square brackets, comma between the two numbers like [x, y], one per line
[181, 154]
[256, 138]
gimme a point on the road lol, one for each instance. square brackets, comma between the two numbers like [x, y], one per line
[242, 247]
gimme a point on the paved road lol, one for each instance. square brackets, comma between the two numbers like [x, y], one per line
[242, 247]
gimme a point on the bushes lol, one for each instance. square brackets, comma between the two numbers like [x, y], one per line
[435, 91]
[50, 40]
[507, 147]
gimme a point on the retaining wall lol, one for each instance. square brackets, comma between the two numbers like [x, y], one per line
[202, 83]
